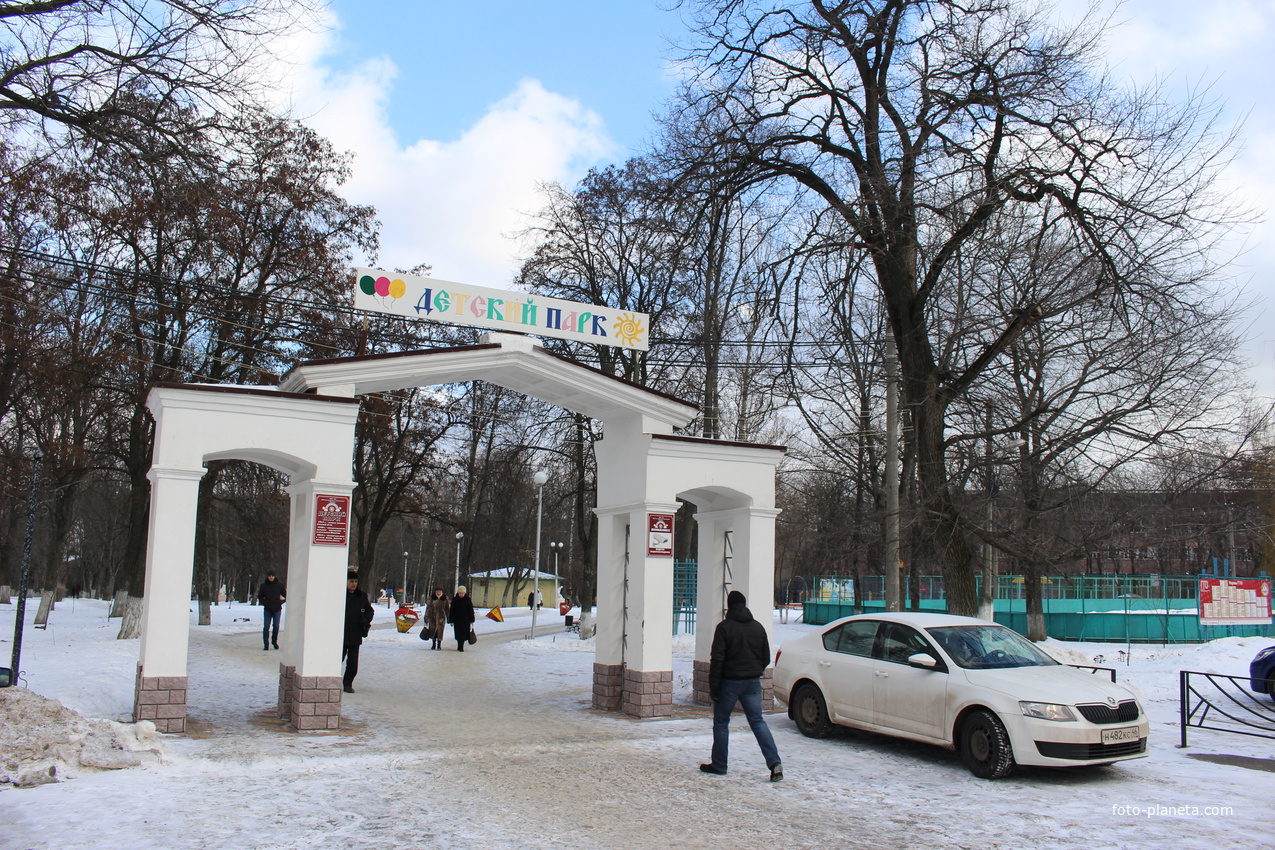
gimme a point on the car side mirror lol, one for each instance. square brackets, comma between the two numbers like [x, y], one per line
[923, 660]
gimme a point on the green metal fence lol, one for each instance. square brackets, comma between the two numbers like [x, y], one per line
[684, 592]
[1123, 608]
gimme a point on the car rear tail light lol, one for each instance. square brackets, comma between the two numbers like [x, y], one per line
[778, 652]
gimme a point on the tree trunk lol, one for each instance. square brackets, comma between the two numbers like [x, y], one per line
[131, 621]
[132, 575]
[586, 523]
[1035, 605]
[118, 604]
[205, 587]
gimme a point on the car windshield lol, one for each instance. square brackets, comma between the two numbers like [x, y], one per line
[988, 647]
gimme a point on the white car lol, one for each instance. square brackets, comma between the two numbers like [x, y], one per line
[960, 682]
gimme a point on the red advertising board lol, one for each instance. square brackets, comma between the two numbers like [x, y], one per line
[331, 520]
[659, 535]
[1235, 601]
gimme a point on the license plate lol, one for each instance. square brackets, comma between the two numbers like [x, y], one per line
[1120, 736]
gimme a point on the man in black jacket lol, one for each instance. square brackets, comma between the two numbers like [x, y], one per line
[741, 654]
[271, 595]
[358, 619]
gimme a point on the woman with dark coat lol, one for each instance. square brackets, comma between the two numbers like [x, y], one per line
[436, 611]
[461, 616]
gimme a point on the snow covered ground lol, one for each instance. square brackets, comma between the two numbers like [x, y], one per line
[497, 747]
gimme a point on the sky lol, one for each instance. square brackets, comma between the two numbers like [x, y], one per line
[457, 112]
[497, 748]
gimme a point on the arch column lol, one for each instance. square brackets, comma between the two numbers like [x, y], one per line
[159, 694]
[633, 669]
[310, 672]
[752, 572]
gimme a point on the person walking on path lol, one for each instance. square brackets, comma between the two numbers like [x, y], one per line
[461, 616]
[436, 611]
[358, 619]
[740, 655]
[271, 595]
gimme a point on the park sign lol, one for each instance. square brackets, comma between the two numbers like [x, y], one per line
[461, 304]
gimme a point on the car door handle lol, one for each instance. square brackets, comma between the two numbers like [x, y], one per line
[825, 663]
[881, 674]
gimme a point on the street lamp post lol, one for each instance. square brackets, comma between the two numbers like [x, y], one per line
[460, 535]
[541, 477]
[404, 602]
[557, 548]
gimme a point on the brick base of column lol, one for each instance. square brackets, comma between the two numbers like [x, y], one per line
[608, 686]
[648, 693]
[699, 683]
[161, 700]
[700, 690]
[316, 702]
[287, 686]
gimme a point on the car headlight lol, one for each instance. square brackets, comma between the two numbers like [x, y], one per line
[1046, 711]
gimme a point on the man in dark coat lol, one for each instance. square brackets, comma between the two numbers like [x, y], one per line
[271, 595]
[358, 619]
[740, 655]
[461, 616]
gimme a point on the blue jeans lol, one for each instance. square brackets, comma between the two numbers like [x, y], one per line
[266, 637]
[746, 692]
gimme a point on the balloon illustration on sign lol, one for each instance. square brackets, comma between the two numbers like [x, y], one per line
[382, 286]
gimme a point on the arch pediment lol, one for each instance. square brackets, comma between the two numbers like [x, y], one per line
[516, 363]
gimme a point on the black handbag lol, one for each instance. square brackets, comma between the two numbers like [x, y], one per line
[473, 635]
[426, 633]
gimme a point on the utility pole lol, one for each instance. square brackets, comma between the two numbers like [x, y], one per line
[893, 597]
[987, 593]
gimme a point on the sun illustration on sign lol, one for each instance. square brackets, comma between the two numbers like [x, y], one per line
[628, 329]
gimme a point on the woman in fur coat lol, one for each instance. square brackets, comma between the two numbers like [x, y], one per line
[436, 615]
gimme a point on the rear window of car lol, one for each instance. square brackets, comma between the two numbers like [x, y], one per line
[853, 638]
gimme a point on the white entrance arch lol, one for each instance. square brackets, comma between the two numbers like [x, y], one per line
[309, 438]
[306, 429]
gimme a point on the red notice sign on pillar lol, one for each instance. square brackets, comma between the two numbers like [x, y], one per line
[659, 535]
[331, 520]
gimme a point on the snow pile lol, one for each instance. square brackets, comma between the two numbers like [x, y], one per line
[42, 741]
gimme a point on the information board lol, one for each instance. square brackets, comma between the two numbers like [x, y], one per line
[1235, 601]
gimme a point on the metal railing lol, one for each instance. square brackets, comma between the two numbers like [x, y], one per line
[1110, 671]
[1226, 701]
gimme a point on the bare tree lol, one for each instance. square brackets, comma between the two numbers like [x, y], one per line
[99, 66]
[919, 124]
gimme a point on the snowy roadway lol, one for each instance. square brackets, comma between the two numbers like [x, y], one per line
[497, 747]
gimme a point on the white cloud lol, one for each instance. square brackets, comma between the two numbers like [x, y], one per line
[455, 204]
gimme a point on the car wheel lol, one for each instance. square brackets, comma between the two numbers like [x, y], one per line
[811, 712]
[1270, 686]
[985, 746]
